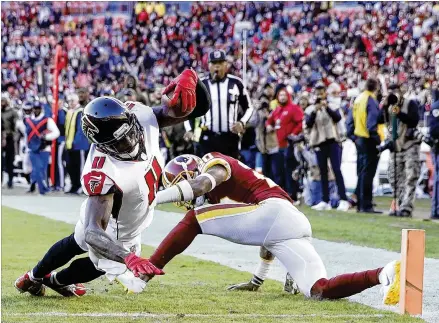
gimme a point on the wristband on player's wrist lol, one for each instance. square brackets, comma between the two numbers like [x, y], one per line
[211, 178]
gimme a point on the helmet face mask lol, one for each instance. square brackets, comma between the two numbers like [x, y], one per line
[127, 147]
[184, 167]
[114, 129]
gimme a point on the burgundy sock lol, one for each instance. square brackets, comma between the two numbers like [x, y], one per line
[177, 240]
[345, 285]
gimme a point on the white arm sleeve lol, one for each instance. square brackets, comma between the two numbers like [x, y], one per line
[180, 192]
[53, 131]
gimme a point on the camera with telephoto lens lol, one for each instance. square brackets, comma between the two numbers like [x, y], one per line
[392, 98]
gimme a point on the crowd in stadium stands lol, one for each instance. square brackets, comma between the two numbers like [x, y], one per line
[301, 47]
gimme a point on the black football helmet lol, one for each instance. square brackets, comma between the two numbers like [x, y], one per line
[109, 124]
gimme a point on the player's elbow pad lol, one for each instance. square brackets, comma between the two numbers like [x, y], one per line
[203, 101]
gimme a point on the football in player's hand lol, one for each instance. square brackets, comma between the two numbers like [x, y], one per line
[175, 111]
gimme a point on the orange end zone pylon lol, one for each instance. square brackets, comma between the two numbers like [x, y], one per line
[412, 271]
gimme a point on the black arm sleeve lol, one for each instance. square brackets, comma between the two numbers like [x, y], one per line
[310, 119]
[203, 101]
[203, 105]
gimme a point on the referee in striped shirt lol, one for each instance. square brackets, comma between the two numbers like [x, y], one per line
[231, 109]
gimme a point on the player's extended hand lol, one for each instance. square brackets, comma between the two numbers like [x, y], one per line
[141, 266]
[249, 286]
[183, 86]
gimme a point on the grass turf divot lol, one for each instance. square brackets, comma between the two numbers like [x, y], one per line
[190, 287]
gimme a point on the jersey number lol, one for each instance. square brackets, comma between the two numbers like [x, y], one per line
[269, 181]
[130, 105]
[152, 178]
[98, 163]
[207, 157]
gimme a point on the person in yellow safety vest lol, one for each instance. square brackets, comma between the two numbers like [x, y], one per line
[362, 128]
[77, 144]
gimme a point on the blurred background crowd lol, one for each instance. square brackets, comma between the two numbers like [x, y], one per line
[301, 58]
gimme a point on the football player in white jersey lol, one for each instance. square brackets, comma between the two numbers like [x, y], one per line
[121, 178]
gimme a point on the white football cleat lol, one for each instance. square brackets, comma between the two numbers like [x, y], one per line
[343, 206]
[322, 206]
[389, 278]
[131, 283]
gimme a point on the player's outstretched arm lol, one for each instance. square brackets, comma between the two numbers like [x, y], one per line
[97, 215]
[188, 190]
[193, 94]
[98, 212]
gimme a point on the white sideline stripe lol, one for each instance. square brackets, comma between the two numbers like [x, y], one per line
[164, 315]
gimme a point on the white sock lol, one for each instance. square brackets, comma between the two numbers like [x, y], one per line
[261, 272]
[383, 279]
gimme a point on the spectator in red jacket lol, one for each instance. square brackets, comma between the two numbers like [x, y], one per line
[286, 119]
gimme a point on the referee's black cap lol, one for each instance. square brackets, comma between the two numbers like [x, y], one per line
[217, 56]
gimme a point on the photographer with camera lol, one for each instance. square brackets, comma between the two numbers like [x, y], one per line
[404, 146]
[323, 136]
[266, 141]
[433, 127]
[40, 131]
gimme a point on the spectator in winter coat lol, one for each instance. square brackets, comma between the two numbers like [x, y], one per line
[286, 120]
[270, 159]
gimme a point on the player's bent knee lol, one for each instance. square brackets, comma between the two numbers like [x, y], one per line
[319, 288]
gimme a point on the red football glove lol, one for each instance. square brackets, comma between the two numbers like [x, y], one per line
[141, 266]
[184, 86]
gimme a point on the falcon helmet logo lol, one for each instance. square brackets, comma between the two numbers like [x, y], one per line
[94, 182]
[89, 128]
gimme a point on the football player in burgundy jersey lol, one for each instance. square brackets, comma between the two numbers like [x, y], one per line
[263, 215]
[120, 177]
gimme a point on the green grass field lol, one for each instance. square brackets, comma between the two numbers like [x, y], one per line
[191, 291]
[378, 231]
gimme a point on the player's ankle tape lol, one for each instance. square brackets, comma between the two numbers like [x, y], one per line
[257, 281]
